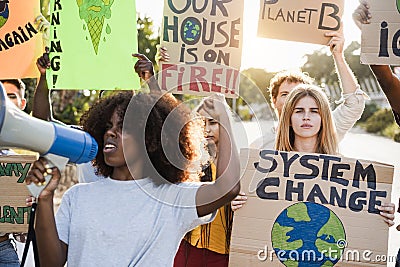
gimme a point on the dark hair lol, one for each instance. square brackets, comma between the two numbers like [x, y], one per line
[94, 121]
[17, 83]
[144, 120]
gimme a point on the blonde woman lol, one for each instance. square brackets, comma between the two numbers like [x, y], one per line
[306, 125]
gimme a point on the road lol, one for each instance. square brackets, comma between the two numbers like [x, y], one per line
[356, 144]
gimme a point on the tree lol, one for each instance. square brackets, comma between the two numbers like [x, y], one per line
[321, 66]
[147, 41]
[352, 55]
[261, 79]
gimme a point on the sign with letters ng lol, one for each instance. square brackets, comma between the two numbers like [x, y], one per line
[204, 41]
[91, 42]
[14, 213]
[300, 21]
[310, 210]
[380, 39]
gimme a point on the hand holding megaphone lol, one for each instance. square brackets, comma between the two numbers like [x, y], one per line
[42, 179]
[48, 163]
[18, 129]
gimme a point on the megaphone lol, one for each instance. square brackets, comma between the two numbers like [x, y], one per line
[18, 129]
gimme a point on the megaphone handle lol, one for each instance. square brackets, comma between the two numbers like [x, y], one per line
[53, 161]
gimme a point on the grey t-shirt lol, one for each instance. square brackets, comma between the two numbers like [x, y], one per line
[86, 173]
[126, 223]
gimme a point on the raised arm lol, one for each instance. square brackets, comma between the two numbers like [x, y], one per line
[41, 98]
[353, 104]
[347, 80]
[388, 81]
[210, 197]
[144, 68]
[52, 251]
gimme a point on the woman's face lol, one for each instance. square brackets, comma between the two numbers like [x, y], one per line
[112, 150]
[211, 129]
[306, 118]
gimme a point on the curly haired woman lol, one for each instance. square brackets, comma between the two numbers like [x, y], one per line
[138, 214]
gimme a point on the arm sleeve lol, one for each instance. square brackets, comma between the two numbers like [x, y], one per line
[185, 207]
[63, 217]
[349, 111]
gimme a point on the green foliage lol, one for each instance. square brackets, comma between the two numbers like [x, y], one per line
[68, 106]
[379, 121]
[244, 113]
[352, 55]
[255, 80]
[369, 110]
[320, 64]
[45, 8]
[392, 131]
[30, 85]
[147, 41]
[396, 137]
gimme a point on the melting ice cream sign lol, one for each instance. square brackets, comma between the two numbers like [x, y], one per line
[94, 16]
[92, 39]
[94, 13]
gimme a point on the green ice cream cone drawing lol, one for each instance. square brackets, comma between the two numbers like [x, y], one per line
[94, 12]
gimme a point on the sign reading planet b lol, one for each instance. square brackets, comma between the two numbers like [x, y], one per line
[308, 234]
[3, 12]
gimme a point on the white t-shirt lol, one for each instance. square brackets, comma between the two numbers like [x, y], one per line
[126, 223]
[86, 173]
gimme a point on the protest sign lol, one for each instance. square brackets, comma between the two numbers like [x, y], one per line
[14, 213]
[300, 21]
[310, 210]
[204, 41]
[20, 42]
[91, 43]
[380, 39]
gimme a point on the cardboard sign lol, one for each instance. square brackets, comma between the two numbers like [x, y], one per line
[300, 21]
[204, 41]
[310, 210]
[91, 43]
[380, 39]
[14, 213]
[20, 42]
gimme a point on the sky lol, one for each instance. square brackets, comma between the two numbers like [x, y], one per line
[261, 52]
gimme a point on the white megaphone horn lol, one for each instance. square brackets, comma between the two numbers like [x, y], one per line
[18, 129]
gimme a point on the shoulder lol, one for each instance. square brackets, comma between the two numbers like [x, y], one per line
[84, 188]
[176, 195]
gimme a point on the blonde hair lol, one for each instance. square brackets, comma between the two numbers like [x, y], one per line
[327, 142]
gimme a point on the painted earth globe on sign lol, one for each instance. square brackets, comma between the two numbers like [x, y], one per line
[3, 13]
[191, 31]
[308, 234]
